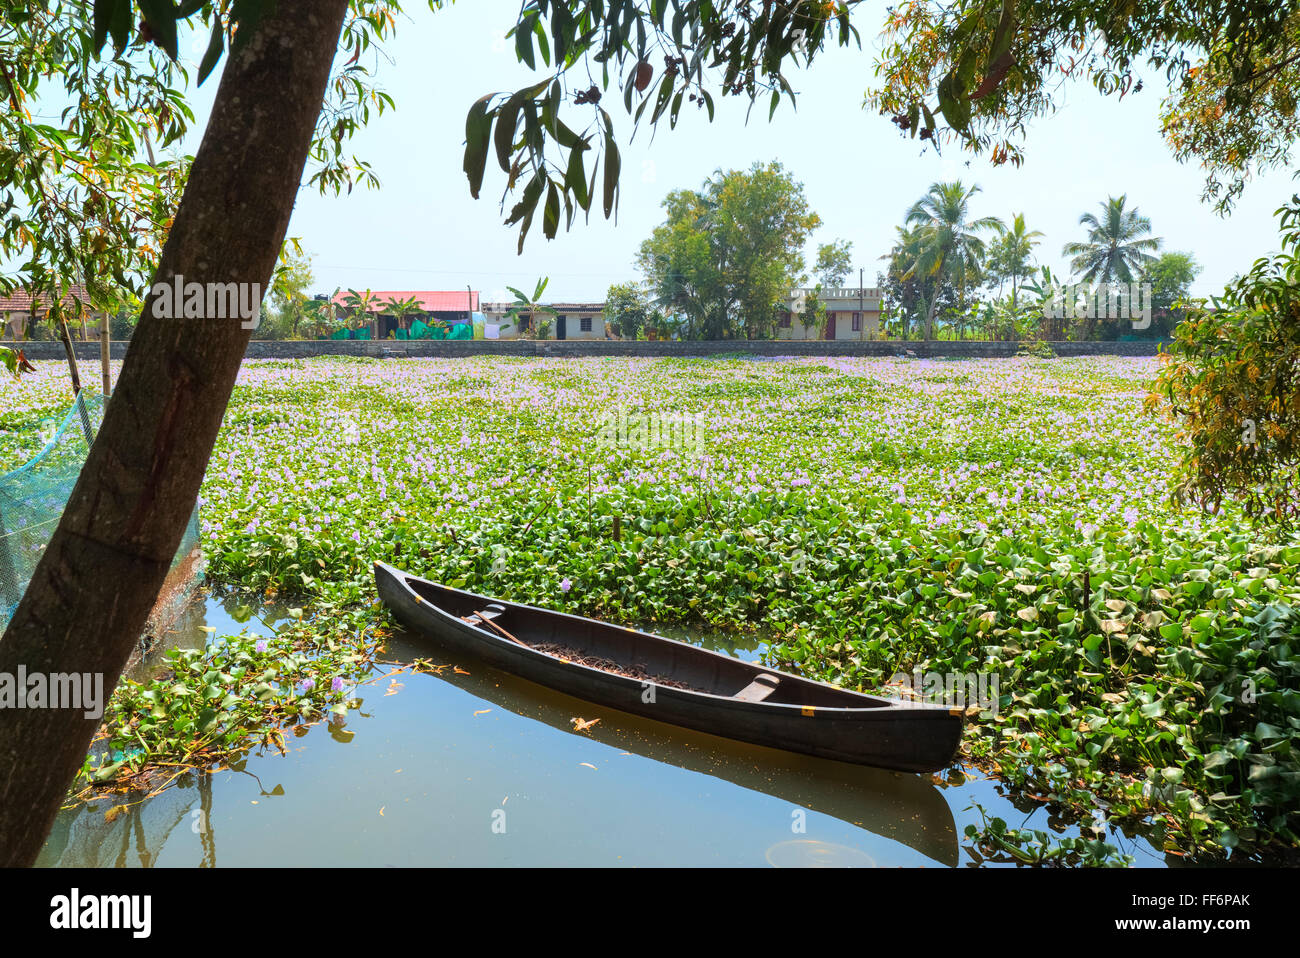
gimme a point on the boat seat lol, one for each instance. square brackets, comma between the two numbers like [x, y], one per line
[493, 611]
[759, 689]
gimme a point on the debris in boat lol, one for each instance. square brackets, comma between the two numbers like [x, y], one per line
[637, 672]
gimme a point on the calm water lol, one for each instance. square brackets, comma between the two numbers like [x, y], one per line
[486, 769]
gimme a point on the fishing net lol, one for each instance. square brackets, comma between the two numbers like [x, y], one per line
[33, 496]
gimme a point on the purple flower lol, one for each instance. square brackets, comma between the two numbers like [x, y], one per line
[565, 584]
[337, 684]
[305, 685]
[261, 646]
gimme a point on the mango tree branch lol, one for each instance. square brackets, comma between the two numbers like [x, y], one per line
[92, 591]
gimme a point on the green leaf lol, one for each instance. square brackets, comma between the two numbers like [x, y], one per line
[507, 119]
[524, 41]
[120, 24]
[216, 44]
[478, 134]
[575, 179]
[105, 10]
[551, 214]
[161, 17]
[613, 163]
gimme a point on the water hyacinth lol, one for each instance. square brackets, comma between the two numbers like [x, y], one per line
[1005, 515]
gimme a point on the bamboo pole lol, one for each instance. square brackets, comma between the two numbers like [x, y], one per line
[105, 339]
[72, 356]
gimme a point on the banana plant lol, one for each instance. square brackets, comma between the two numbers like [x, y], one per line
[360, 303]
[402, 308]
[531, 307]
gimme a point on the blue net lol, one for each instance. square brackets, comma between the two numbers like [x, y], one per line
[33, 496]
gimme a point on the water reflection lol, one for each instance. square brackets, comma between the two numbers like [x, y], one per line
[430, 765]
[895, 805]
[807, 853]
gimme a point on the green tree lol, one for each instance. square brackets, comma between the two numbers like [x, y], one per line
[1011, 254]
[1119, 246]
[978, 73]
[834, 263]
[728, 253]
[907, 294]
[946, 240]
[1232, 385]
[1171, 275]
[627, 309]
[289, 290]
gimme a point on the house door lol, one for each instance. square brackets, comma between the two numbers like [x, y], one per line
[830, 325]
[560, 323]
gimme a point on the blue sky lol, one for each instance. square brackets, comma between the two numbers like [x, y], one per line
[421, 229]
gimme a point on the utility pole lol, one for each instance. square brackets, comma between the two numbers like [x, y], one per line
[862, 313]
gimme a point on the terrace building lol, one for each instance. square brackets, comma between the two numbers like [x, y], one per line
[852, 312]
[568, 321]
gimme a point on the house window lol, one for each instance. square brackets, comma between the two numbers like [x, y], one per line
[857, 322]
[584, 324]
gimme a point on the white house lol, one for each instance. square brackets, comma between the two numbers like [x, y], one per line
[852, 312]
[569, 321]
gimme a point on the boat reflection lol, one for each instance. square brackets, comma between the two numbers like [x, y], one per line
[895, 805]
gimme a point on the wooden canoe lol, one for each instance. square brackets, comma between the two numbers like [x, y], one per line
[676, 682]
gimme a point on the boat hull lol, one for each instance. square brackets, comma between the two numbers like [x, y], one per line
[804, 716]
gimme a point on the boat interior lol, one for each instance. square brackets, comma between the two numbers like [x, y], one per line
[659, 657]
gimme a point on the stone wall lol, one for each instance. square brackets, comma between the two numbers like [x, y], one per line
[296, 349]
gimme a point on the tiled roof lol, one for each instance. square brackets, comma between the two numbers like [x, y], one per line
[430, 300]
[20, 300]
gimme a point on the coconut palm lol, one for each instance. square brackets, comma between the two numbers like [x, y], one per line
[1010, 254]
[947, 242]
[1119, 246]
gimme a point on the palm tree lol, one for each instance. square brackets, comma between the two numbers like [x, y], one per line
[947, 242]
[1011, 253]
[1118, 247]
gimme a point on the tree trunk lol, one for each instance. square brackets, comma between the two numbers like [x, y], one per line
[102, 570]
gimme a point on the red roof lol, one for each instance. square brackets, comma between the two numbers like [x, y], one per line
[20, 300]
[430, 300]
